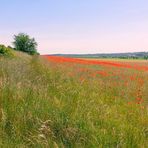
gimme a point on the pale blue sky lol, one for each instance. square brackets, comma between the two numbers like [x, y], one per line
[77, 26]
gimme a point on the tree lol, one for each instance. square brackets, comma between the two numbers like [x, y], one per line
[22, 42]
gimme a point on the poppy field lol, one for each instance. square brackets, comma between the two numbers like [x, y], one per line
[51, 101]
[117, 73]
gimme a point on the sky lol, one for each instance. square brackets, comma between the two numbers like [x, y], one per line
[77, 26]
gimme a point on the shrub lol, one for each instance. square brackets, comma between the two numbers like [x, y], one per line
[22, 42]
[6, 51]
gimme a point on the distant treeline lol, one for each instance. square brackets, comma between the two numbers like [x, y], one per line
[131, 55]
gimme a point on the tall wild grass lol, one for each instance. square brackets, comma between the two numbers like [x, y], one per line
[45, 104]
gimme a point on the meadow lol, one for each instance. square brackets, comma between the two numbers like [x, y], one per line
[60, 102]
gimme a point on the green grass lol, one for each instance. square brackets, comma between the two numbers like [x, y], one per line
[42, 106]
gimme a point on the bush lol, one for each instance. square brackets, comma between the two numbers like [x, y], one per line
[6, 51]
[22, 42]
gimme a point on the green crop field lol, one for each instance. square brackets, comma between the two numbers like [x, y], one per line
[49, 103]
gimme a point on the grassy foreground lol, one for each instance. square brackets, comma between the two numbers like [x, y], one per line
[44, 104]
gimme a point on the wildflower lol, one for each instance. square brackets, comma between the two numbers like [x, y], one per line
[129, 103]
[139, 100]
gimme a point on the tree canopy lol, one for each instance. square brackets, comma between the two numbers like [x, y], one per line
[23, 42]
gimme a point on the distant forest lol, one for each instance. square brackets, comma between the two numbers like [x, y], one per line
[130, 55]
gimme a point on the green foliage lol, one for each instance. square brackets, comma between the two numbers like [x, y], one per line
[22, 42]
[6, 51]
[146, 57]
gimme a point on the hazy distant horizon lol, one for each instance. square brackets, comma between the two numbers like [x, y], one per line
[92, 53]
[78, 27]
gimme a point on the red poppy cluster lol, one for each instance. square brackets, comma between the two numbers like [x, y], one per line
[60, 59]
[106, 69]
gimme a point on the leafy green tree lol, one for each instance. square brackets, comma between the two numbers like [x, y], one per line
[22, 42]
